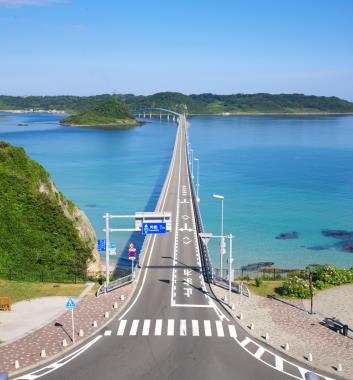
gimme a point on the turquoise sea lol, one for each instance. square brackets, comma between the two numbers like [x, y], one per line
[278, 174]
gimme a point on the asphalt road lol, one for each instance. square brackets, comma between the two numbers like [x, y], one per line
[173, 329]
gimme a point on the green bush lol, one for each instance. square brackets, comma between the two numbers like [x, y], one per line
[329, 274]
[258, 281]
[296, 287]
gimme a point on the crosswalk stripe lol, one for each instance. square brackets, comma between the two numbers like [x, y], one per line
[232, 331]
[146, 327]
[170, 331]
[195, 327]
[219, 328]
[182, 327]
[134, 326]
[207, 325]
[108, 332]
[158, 327]
[121, 328]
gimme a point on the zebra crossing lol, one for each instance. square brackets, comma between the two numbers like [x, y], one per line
[172, 327]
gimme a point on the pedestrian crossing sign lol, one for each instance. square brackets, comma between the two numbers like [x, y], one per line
[70, 304]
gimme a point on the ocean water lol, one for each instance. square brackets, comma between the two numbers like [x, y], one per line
[278, 174]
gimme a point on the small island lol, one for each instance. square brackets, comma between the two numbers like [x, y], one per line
[114, 113]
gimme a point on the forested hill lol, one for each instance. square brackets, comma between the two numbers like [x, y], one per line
[40, 230]
[196, 104]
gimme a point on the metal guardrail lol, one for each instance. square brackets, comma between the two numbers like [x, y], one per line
[205, 255]
[239, 288]
[115, 284]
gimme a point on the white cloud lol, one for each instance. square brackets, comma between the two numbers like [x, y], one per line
[20, 3]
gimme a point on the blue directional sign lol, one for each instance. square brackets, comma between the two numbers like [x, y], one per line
[154, 228]
[102, 244]
[70, 304]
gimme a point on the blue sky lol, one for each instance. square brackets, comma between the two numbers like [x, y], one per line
[88, 47]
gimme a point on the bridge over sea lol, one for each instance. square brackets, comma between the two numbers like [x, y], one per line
[174, 327]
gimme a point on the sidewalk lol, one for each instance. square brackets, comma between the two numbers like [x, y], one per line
[50, 337]
[287, 321]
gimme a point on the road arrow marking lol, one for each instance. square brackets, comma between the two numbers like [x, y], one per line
[185, 228]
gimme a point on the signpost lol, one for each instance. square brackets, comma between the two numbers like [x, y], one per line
[132, 255]
[70, 304]
[154, 228]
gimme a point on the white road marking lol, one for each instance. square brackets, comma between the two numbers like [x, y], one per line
[170, 331]
[108, 332]
[121, 328]
[245, 342]
[158, 327]
[146, 327]
[60, 363]
[232, 331]
[134, 326]
[186, 240]
[259, 352]
[182, 327]
[279, 363]
[219, 328]
[207, 326]
[195, 327]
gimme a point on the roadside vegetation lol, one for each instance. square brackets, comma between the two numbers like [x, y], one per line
[196, 104]
[297, 285]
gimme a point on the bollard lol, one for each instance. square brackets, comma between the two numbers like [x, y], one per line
[225, 298]
[81, 333]
[115, 305]
[267, 336]
[286, 346]
[43, 354]
[94, 324]
[122, 297]
[106, 314]
[252, 326]
[310, 357]
[64, 343]
[17, 364]
[233, 306]
[339, 367]
[241, 317]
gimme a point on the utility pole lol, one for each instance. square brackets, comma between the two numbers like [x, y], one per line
[107, 230]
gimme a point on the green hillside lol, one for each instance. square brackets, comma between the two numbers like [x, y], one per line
[39, 228]
[196, 104]
[112, 112]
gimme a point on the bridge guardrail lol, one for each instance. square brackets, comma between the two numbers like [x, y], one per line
[115, 284]
[205, 255]
[239, 288]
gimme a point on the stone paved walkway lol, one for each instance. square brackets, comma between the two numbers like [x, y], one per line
[50, 337]
[287, 321]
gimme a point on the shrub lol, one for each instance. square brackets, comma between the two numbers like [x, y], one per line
[296, 287]
[258, 281]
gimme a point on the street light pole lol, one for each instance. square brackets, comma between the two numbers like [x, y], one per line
[230, 266]
[197, 179]
[222, 242]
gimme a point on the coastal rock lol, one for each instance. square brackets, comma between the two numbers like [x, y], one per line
[318, 248]
[288, 235]
[345, 246]
[337, 234]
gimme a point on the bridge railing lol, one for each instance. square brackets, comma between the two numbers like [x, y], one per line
[205, 255]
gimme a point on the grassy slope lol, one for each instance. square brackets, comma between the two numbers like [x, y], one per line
[112, 112]
[20, 291]
[35, 234]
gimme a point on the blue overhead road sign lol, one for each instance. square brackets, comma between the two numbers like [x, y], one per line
[154, 228]
[102, 244]
[70, 304]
